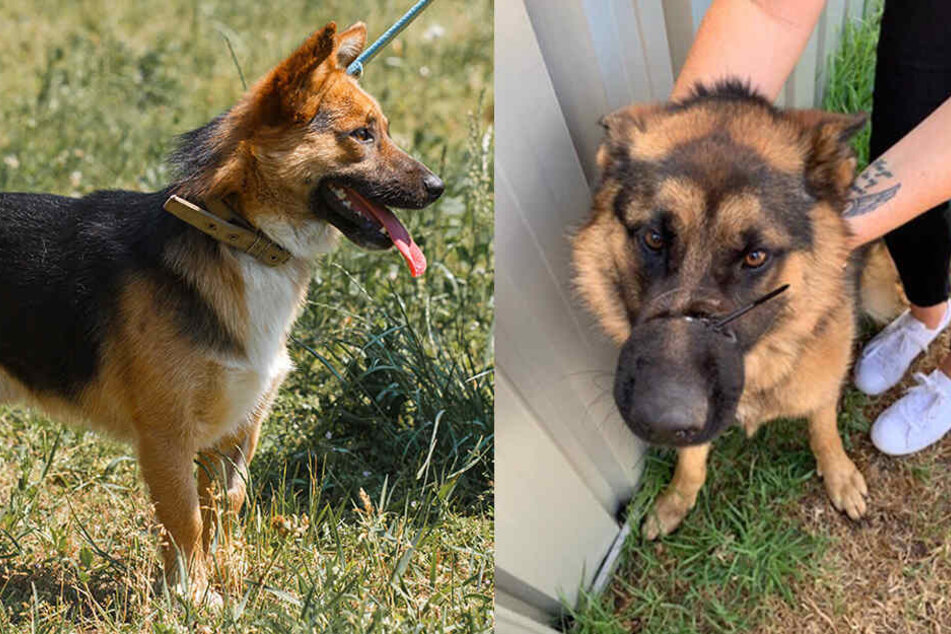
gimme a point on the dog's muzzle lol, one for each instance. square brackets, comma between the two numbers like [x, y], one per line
[679, 378]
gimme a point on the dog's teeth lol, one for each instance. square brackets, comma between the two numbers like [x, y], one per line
[339, 193]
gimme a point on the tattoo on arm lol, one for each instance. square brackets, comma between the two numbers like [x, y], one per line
[861, 201]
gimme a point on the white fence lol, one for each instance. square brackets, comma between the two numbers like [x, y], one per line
[565, 463]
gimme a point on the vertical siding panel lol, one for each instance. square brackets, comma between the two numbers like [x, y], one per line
[678, 22]
[804, 76]
[562, 32]
[549, 528]
[622, 70]
[651, 26]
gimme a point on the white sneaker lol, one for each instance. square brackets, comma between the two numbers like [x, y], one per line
[918, 419]
[886, 358]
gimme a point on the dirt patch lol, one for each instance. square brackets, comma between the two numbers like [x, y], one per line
[890, 572]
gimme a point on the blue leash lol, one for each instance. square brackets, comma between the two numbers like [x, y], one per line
[356, 67]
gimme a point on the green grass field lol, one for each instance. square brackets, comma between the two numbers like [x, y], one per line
[764, 550]
[371, 507]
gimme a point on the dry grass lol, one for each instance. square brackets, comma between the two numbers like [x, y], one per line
[892, 571]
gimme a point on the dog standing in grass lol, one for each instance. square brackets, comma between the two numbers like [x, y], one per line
[705, 206]
[162, 318]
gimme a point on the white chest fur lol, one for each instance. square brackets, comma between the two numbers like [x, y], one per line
[272, 297]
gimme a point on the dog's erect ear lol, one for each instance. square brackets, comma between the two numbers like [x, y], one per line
[830, 160]
[350, 44]
[286, 93]
[621, 128]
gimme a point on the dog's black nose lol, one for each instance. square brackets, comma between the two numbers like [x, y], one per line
[434, 186]
[674, 412]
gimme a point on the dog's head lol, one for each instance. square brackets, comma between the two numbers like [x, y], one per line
[306, 148]
[703, 207]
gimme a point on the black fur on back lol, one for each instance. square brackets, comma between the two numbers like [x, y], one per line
[63, 262]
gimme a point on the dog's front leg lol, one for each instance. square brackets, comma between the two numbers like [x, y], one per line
[843, 480]
[167, 468]
[681, 494]
[227, 464]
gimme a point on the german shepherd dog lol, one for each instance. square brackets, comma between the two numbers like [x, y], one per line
[162, 318]
[704, 207]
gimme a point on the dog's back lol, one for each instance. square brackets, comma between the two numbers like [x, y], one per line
[63, 262]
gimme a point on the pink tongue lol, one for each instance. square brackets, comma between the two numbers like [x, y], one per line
[413, 255]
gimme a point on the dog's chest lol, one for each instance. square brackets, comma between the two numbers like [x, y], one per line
[272, 299]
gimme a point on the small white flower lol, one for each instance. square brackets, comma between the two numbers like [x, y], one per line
[328, 435]
[424, 71]
[434, 32]
[11, 161]
[366, 474]
[75, 178]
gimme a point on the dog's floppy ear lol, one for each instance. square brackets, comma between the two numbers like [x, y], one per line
[350, 44]
[830, 160]
[621, 128]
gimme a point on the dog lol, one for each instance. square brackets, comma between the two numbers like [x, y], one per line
[162, 318]
[716, 256]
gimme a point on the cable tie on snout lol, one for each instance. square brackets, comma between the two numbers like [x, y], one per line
[720, 322]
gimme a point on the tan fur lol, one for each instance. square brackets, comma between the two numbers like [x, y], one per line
[883, 297]
[797, 368]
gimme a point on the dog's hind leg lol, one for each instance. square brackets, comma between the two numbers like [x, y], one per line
[843, 480]
[681, 494]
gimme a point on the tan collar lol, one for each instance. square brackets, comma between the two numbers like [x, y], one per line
[222, 224]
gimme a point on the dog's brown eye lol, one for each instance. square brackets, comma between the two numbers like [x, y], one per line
[755, 258]
[362, 134]
[654, 240]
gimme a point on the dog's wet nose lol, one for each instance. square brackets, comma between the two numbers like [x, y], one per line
[434, 186]
[673, 412]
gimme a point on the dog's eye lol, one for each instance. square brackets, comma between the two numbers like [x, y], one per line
[362, 134]
[755, 259]
[654, 240]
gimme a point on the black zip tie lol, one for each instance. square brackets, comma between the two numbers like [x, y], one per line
[719, 323]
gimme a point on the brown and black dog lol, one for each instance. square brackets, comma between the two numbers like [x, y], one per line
[704, 206]
[168, 330]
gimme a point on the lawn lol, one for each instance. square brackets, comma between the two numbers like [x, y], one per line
[764, 550]
[371, 507]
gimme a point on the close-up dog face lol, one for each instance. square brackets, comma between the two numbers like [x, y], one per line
[317, 149]
[703, 207]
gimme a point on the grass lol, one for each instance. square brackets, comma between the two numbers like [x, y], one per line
[764, 550]
[735, 546]
[371, 507]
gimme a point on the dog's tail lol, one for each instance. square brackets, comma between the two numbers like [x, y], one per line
[880, 293]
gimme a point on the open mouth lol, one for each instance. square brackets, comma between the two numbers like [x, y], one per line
[369, 224]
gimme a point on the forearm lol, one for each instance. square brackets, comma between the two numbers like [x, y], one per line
[755, 40]
[913, 176]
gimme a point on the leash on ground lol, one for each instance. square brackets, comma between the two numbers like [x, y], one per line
[356, 67]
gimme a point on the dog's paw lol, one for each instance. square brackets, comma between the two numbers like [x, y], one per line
[669, 511]
[846, 487]
[196, 591]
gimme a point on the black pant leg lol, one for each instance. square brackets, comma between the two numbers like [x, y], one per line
[913, 78]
